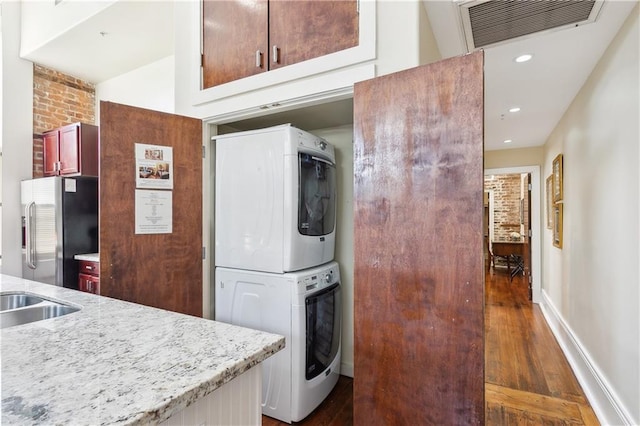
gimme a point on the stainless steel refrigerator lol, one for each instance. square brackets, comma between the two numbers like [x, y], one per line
[60, 220]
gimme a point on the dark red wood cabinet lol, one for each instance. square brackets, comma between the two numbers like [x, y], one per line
[71, 150]
[243, 38]
[89, 277]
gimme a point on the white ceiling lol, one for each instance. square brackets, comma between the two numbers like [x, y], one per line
[140, 32]
[543, 87]
[122, 37]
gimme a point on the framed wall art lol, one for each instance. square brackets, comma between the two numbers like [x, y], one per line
[557, 179]
[557, 225]
[550, 202]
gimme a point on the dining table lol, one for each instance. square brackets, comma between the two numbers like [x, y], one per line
[512, 251]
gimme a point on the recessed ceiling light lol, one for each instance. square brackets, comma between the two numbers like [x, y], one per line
[523, 58]
[508, 141]
[514, 109]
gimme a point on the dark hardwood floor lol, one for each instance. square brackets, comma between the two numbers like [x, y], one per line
[527, 378]
[336, 410]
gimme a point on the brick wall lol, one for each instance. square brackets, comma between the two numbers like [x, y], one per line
[506, 209]
[58, 99]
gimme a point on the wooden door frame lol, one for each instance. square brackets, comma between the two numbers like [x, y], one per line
[536, 224]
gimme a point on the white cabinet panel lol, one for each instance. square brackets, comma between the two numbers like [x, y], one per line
[236, 403]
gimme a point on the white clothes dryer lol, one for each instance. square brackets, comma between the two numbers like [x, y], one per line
[304, 307]
[275, 200]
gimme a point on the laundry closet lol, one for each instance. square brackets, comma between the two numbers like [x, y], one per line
[275, 228]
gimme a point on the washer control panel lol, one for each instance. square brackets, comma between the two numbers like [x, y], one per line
[311, 283]
[317, 280]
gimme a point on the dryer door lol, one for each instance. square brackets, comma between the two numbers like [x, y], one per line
[316, 195]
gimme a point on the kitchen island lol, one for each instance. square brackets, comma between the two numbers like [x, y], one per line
[114, 362]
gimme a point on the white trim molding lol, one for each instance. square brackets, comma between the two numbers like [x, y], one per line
[604, 401]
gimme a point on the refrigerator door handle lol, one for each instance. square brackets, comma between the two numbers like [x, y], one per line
[28, 213]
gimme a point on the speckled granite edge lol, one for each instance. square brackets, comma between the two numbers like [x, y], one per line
[177, 404]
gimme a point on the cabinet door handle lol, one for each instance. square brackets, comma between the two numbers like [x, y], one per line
[276, 54]
[258, 59]
[30, 235]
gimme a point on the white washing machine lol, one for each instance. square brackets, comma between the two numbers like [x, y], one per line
[303, 306]
[275, 200]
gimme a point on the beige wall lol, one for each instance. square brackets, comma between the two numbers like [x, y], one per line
[514, 157]
[428, 48]
[592, 282]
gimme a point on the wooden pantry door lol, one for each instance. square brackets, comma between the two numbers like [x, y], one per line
[418, 273]
[160, 270]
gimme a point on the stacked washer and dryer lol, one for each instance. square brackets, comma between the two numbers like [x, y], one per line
[275, 217]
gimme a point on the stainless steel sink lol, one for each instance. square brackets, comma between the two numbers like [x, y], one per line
[18, 300]
[24, 308]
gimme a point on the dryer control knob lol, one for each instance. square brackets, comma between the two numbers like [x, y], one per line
[328, 277]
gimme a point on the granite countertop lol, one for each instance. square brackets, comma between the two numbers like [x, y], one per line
[92, 257]
[115, 362]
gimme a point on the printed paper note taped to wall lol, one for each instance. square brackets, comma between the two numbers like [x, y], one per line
[154, 166]
[154, 212]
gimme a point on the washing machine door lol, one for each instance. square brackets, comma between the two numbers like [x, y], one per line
[323, 314]
[316, 195]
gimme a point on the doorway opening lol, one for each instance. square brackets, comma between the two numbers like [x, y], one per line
[513, 221]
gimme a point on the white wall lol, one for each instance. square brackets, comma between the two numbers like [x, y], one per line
[17, 135]
[592, 284]
[150, 87]
[398, 36]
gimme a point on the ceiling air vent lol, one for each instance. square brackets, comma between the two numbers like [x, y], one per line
[487, 22]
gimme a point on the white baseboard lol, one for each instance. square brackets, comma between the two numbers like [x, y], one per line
[603, 400]
[346, 369]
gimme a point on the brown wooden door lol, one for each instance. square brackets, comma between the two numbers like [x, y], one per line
[160, 270]
[50, 153]
[69, 149]
[235, 42]
[306, 29]
[418, 271]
